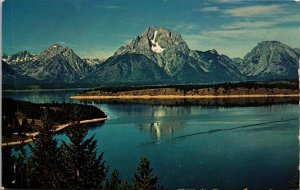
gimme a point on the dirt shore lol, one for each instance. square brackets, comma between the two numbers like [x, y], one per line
[95, 97]
[31, 136]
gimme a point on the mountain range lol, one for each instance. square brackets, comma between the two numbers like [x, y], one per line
[158, 56]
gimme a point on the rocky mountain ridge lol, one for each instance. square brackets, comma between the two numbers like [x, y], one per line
[158, 56]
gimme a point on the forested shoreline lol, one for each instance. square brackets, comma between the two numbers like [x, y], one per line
[241, 88]
[21, 117]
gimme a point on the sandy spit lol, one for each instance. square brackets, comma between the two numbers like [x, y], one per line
[31, 136]
[82, 97]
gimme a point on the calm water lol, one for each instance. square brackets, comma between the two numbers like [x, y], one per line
[195, 146]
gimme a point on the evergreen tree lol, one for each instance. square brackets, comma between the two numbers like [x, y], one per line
[84, 169]
[21, 169]
[24, 125]
[45, 161]
[144, 179]
[114, 182]
[125, 186]
[8, 164]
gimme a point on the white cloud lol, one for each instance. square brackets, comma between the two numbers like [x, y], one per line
[254, 11]
[208, 9]
[247, 24]
[186, 26]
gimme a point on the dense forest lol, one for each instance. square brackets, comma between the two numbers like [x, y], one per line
[21, 116]
[292, 84]
[73, 165]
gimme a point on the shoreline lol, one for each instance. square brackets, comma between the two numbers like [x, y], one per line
[99, 97]
[31, 136]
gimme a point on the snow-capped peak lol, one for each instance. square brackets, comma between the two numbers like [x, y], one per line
[155, 46]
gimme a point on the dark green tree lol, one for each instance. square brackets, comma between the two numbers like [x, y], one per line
[24, 125]
[125, 186]
[114, 182]
[21, 169]
[46, 161]
[144, 179]
[8, 165]
[84, 169]
[32, 125]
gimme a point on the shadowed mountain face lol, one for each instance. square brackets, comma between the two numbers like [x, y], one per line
[128, 67]
[9, 76]
[271, 60]
[158, 56]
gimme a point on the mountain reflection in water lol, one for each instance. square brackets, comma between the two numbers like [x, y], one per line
[226, 102]
[163, 127]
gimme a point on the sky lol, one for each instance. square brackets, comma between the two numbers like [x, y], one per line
[97, 28]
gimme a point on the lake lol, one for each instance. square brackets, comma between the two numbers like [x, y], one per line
[196, 146]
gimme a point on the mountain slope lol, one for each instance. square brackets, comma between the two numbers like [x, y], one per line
[20, 57]
[54, 65]
[127, 68]
[172, 54]
[9, 76]
[271, 60]
[217, 67]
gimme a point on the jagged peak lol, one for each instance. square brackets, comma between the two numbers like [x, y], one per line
[213, 51]
[150, 31]
[270, 43]
[157, 28]
[23, 53]
[56, 48]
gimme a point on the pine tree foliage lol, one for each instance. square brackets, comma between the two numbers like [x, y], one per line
[45, 162]
[84, 169]
[8, 165]
[21, 169]
[144, 179]
[114, 182]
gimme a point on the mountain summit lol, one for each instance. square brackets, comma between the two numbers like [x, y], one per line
[271, 60]
[162, 46]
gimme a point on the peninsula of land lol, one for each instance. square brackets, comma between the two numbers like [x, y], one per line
[231, 90]
[22, 121]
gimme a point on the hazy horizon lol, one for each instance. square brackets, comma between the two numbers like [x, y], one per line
[97, 29]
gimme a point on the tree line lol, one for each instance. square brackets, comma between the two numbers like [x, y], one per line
[288, 84]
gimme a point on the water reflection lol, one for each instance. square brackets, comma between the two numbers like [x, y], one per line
[166, 121]
[226, 102]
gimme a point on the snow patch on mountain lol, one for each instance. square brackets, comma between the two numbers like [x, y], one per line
[155, 46]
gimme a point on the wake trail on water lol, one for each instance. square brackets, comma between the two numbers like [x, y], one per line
[218, 130]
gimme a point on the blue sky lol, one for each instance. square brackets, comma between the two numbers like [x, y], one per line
[97, 28]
